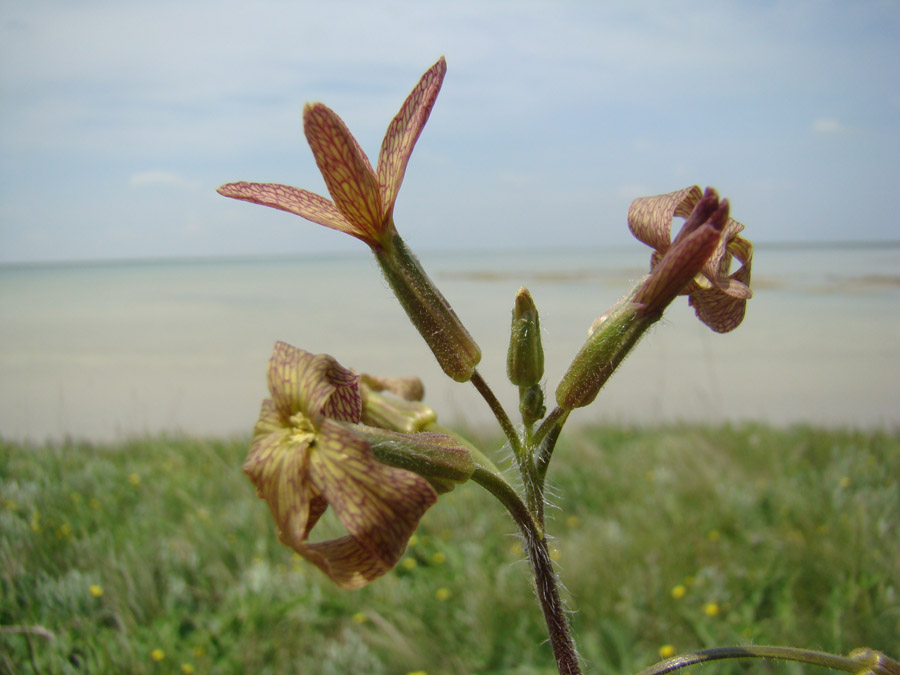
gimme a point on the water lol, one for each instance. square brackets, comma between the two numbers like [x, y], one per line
[106, 351]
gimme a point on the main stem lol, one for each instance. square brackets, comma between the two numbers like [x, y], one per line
[546, 585]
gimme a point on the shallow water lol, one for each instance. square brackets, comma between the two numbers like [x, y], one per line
[105, 351]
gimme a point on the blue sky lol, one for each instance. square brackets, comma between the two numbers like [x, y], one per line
[119, 119]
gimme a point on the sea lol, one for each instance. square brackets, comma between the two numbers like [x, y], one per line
[107, 351]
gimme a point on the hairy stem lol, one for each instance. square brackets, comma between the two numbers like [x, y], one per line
[545, 580]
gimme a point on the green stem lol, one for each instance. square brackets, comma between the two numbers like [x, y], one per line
[867, 660]
[545, 581]
[546, 437]
[499, 412]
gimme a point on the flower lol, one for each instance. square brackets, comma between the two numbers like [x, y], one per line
[667, 651]
[718, 296]
[304, 456]
[363, 206]
[363, 199]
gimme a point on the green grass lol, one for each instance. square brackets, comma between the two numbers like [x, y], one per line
[792, 536]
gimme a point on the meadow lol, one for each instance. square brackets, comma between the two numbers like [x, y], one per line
[155, 556]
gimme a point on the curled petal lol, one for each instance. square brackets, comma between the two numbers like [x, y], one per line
[379, 505]
[315, 385]
[718, 267]
[676, 269]
[303, 203]
[718, 309]
[650, 218]
[347, 172]
[404, 131]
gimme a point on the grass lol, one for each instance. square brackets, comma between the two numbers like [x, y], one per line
[155, 556]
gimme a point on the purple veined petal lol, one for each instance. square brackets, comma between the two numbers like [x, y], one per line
[717, 310]
[404, 131]
[315, 385]
[303, 203]
[346, 562]
[650, 218]
[346, 170]
[379, 505]
[277, 464]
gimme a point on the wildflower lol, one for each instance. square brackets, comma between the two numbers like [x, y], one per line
[711, 609]
[304, 457]
[363, 207]
[442, 594]
[409, 564]
[95, 590]
[187, 668]
[666, 652]
[714, 536]
[157, 655]
[679, 591]
[438, 558]
[134, 479]
[363, 204]
[697, 262]
[360, 618]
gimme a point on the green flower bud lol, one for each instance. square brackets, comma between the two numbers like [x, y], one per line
[525, 358]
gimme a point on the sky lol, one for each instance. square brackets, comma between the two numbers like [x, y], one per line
[119, 119]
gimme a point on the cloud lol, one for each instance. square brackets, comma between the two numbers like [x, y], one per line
[828, 125]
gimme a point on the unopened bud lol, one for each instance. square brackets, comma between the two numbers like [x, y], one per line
[525, 358]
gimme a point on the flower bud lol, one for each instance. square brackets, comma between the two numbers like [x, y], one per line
[525, 358]
[431, 314]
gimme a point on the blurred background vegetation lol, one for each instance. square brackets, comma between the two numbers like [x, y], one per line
[155, 555]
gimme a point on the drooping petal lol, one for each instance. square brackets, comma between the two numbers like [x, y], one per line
[650, 218]
[379, 505]
[303, 203]
[346, 170]
[277, 464]
[315, 385]
[404, 131]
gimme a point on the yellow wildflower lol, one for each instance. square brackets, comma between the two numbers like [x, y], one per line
[666, 652]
